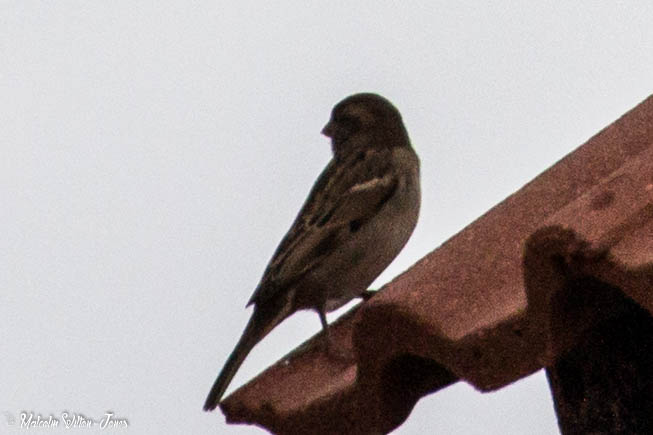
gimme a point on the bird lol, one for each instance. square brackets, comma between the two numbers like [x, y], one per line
[358, 216]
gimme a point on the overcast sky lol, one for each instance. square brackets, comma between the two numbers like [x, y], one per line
[155, 153]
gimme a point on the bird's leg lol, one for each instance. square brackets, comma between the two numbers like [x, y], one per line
[325, 327]
[323, 320]
[330, 346]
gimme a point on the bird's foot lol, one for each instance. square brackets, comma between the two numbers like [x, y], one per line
[335, 350]
[331, 347]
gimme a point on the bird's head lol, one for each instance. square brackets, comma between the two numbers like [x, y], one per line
[364, 120]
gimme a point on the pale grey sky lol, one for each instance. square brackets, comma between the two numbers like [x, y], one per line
[154, 154]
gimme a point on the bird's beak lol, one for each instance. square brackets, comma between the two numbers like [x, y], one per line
[328, 130]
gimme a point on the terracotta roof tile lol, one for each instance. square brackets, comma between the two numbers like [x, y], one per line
[495, 303]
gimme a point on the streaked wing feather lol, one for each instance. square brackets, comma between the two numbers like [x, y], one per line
[347, 191]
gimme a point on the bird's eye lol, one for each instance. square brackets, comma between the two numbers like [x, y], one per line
[349, 123]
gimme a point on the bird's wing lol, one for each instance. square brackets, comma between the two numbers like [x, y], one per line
[346, 195]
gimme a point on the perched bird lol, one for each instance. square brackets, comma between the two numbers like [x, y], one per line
[357, 218]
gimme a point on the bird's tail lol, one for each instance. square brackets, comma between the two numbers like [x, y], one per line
[263, 320]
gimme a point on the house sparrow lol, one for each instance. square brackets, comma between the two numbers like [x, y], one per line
[357, 218]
